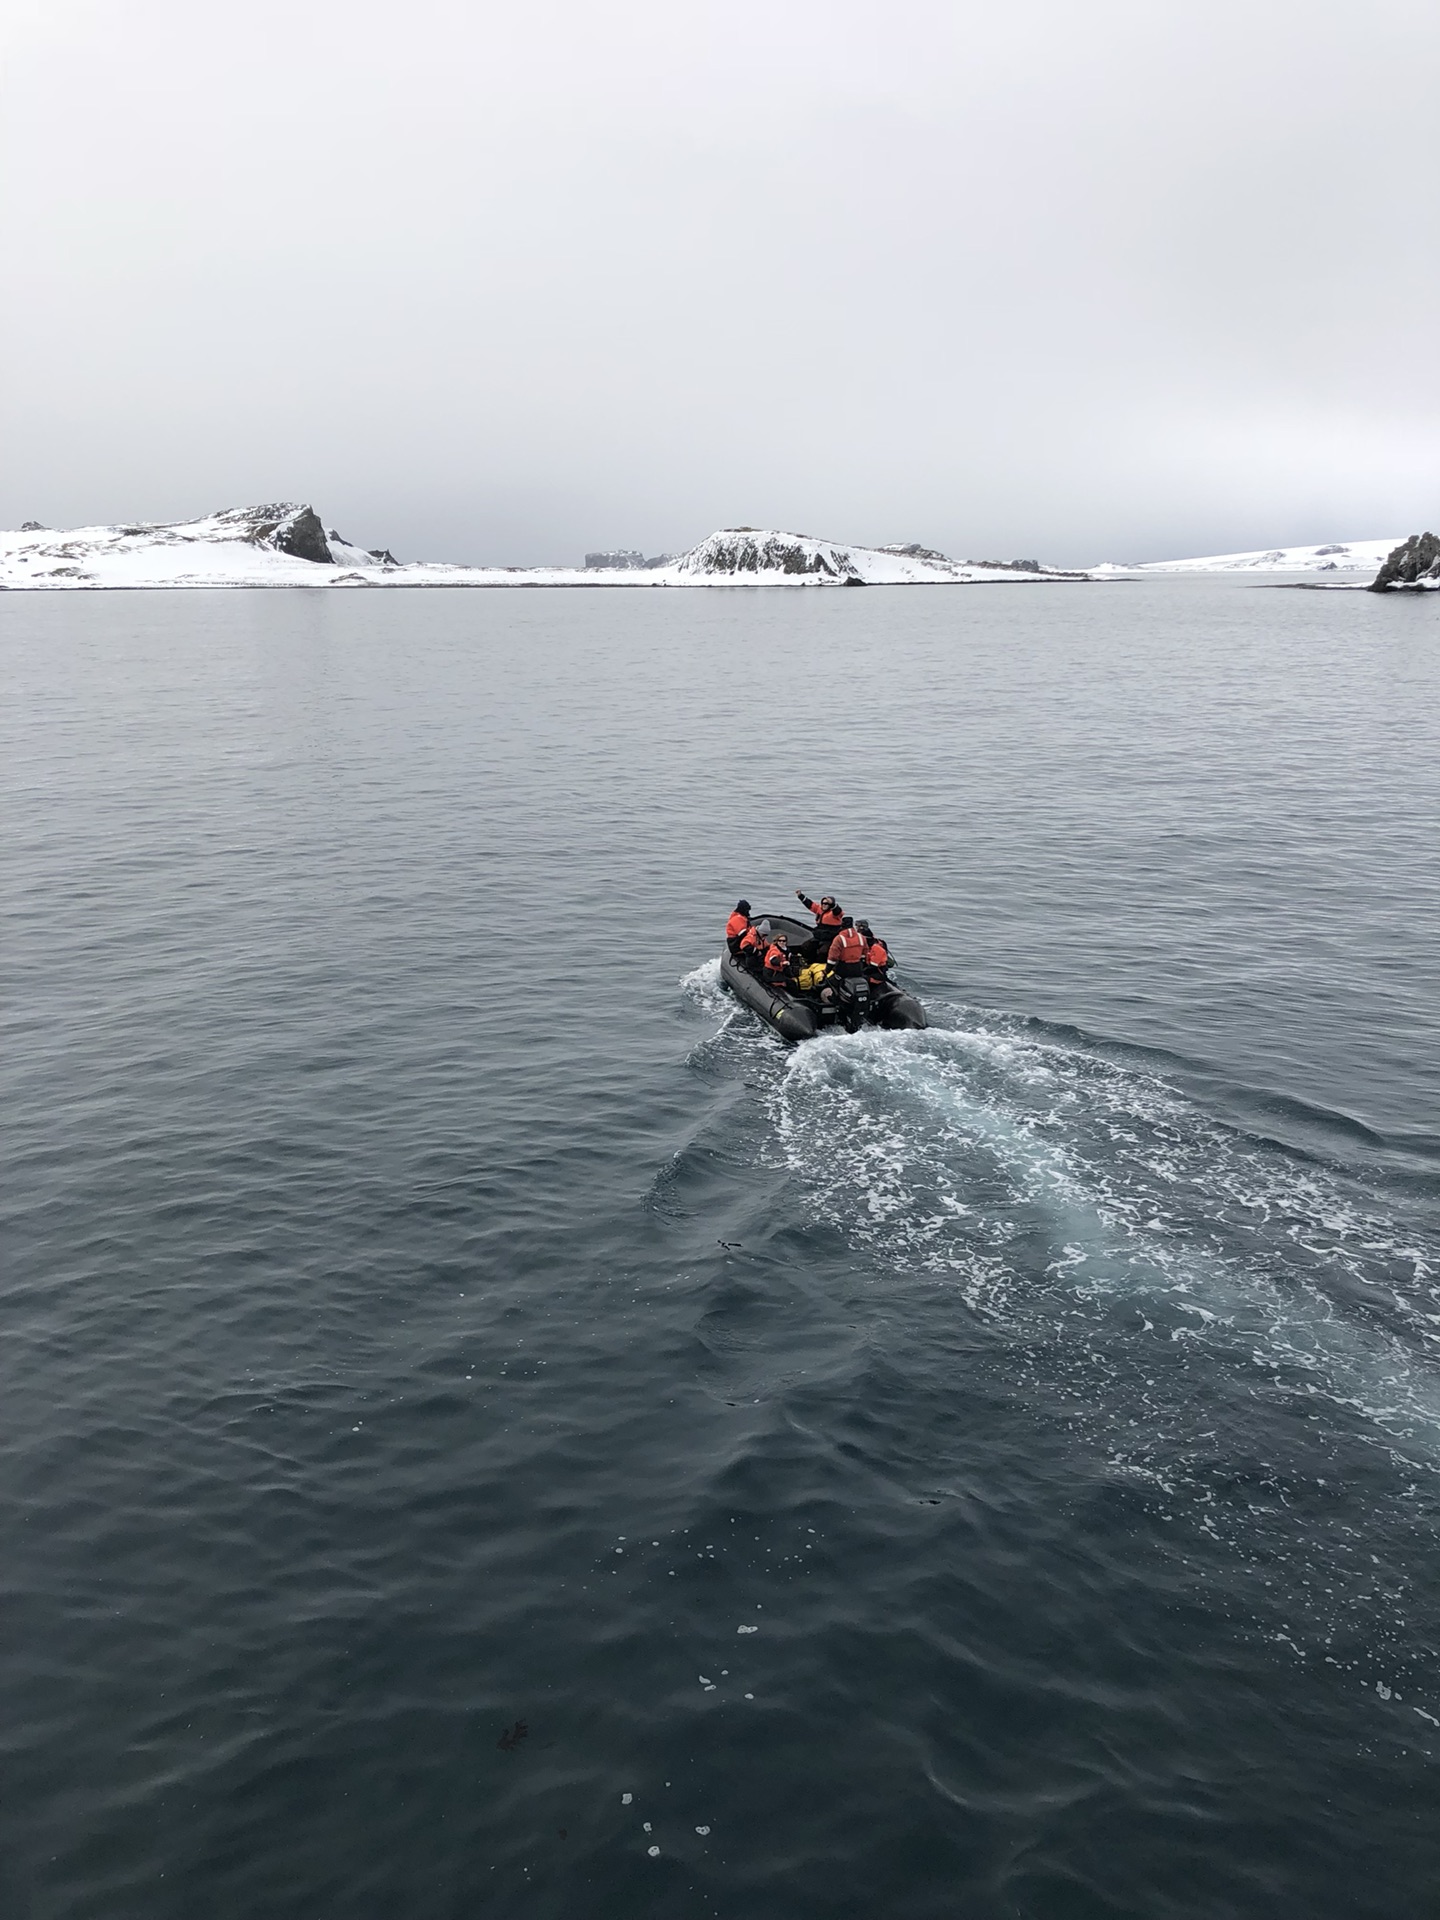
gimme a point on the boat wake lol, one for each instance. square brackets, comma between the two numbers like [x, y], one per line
[1247, 1335]
[1050, 1183]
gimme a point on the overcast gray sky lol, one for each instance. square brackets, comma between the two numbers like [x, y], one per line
[491, 282]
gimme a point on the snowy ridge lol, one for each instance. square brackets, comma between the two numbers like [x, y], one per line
[764, 555]
[1338, 557]
[285, 545]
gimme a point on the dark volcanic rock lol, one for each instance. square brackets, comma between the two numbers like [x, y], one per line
[913, 551]
[1414, 560]
[303, 536]
[33, 526]
[282, 526]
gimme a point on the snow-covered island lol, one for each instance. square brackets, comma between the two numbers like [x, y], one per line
[1341, 556]
[288, 545]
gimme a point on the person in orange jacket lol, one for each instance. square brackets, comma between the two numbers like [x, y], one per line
[847, 950]
[827, 913]
[735, 927]
[752, 947]
[877, 956]
[777, 962]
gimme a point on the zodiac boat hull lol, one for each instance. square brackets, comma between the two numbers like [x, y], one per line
[796, 1017]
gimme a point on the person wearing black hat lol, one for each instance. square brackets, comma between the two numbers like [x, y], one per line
[735, 927]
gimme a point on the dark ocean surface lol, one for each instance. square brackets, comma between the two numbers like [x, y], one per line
[991, 1471]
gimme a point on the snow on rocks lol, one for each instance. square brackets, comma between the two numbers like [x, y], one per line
[1414, 564]
[287, 545]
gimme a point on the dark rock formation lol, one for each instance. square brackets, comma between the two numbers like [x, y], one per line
[33, 526]
[1413, 562]
[622, 557]
[302, 536]
[916, 552]
[284, 527]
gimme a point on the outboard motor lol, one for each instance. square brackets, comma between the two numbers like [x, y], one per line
[857, 1002]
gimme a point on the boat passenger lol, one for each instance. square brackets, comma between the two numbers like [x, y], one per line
[777, 962]
[877, 956]
[752, 947]
[735, 927]
[847, 950]
[827, 913]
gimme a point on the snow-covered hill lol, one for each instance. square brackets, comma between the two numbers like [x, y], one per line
[761, 554]
[286, 545]
[279, 545]
[1338, 557]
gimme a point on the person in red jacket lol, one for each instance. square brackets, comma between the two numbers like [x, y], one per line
[752, 947]
[827, 913]
[777, 962]
[735, 927]
[847, 950]
[877, 956]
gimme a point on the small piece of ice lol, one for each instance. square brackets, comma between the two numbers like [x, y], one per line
[1382, 1689]
[648, 1828]
[654, 1853]
[702, 1829]
[626, 1798]
[747, 1629]
[704, 1679]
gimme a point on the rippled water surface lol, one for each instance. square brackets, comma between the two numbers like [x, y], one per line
[986, 1471]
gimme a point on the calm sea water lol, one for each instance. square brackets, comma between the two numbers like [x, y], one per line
[989, 1471]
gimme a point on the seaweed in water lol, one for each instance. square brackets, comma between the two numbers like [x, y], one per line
[512, 1736]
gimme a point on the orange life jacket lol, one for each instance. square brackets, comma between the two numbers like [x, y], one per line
[736, 925]
[825, 916]
[750, 939]
[847, 947]
[777, 959]
[878, 955]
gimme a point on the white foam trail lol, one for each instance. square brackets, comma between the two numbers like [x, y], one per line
[1046, 1179]
[702, 986]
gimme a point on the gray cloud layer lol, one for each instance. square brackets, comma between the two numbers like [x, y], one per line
[500, 283]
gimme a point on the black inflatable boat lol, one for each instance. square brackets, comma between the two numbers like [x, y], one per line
[800, 1016]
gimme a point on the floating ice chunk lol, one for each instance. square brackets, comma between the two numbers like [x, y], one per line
[702, 1830]
[1426, 1716]
[747, 1629]
[626, 1798]
[654, 1852]
[749, 1696]
[648, 1827]
[704, 1679]
[1382, 1689]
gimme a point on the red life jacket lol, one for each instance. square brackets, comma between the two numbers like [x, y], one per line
[736, 925]
[847, 947]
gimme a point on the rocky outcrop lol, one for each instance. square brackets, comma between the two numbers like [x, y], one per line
[284, 527]
[914, 551]
[745, 550]
[1414, 563]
